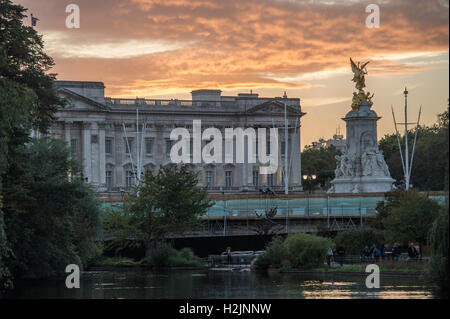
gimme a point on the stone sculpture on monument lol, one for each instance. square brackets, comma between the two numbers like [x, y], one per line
[362, 168]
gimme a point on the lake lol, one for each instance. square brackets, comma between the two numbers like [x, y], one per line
[181, 284]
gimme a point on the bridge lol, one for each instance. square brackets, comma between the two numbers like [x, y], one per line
[250, 215]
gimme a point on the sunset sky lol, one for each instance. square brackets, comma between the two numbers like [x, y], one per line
[167, 48]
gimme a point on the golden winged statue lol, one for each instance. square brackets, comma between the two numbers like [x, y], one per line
[359, 71]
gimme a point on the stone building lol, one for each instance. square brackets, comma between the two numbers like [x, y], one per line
[97, 129]
[338, 141]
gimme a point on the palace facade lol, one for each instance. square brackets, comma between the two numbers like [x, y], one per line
[97, 128]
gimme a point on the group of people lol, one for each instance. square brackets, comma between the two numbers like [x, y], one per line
[339, 253]
[375, 253]
[384, 252]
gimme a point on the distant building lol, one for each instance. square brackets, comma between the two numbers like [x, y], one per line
[101, 132]
[338, 141]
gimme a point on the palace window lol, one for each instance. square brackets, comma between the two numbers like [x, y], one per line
[149, 147]
[255, 178]
[129, 179]
[128, 146]
[108, 146]
[74, 146]
[169, 144]
[228, 179]
[283, 147]
[209, 179]
[270, 180]
[109, 181]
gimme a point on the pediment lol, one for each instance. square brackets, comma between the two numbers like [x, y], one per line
[274, 107]
[77, 101]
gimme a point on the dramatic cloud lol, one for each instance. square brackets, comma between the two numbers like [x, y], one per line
[156, 45]
[166, 47]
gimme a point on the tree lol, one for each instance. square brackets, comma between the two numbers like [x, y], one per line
[408, 216]
[51, 216]
[15, 102]
[167, 203]
[355, 240]
[266, 224]
[430, 164]
[27, 99]
[320, 162]
[23, 61]
[437, 270]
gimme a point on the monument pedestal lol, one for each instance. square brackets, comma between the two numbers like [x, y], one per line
[362, 168]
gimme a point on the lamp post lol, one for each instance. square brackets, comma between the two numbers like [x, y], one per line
[309, 178]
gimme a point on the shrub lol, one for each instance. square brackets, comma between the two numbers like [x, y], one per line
[297, 250]
[158, 256]
[305, 250]
[354, 241]
[273, 255]
[164, 255]
[437, 270]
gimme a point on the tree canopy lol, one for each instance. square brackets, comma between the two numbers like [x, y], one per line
[406, 216]
[169, 202]
[46, 220]
[430, 163]
[321, 162]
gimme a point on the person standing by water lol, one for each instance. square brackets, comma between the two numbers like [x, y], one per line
[396, 252]
[329, 256]
[366, 253]
[341, 252]
[412, 252]
[228, 252]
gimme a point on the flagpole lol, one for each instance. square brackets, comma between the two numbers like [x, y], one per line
[286, 185]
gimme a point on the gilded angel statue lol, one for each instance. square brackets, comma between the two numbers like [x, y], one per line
[359, 71]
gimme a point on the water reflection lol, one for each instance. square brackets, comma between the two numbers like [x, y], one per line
[182, 284]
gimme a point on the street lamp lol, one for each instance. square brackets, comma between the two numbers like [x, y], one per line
[310, 178]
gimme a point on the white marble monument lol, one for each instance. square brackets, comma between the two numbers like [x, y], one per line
[362, 168]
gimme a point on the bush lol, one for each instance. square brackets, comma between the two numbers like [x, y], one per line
[184, 257]
[296, 251]
[164, 255]
[354, 241]
[158, 256]
[305, 250]
[273, 256]
[437, 270]
[116, 261]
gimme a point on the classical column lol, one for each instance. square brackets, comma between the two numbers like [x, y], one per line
[87, 151]
[102, 154]
[244, 166]
[295, 158]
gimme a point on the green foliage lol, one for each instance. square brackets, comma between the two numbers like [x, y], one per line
[296, 251]
[163, 254]
[430, 165]
[273, 256]
[354, 241]
[406, 216]
[304, 250]
[437, 271]
[167, 203]
[23, 61]
[320, 162]
[108, 261]
[27, 99]
[50, 221]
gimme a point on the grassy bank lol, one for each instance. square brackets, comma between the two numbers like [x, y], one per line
[387, 267]
[161, 256]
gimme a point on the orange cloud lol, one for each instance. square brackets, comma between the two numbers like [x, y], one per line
[233, 44]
